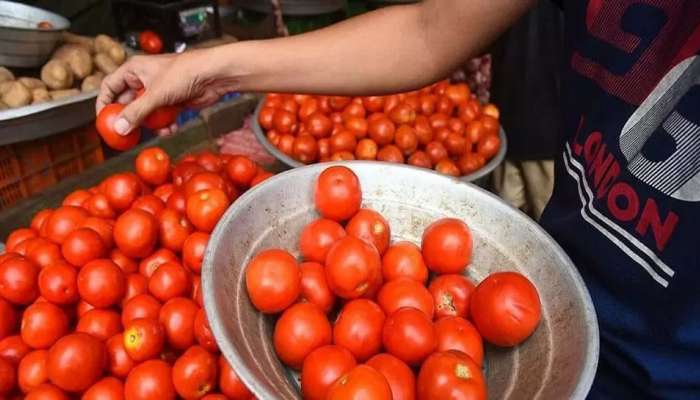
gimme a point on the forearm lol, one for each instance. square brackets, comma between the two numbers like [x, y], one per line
[389, 50]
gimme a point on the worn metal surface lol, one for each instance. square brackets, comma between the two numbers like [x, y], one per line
[557, 362]
[477, 177]
[22, 44]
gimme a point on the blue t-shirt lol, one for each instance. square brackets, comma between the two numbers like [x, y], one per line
[626, 200]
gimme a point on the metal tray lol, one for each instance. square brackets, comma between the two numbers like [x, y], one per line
[557, 362]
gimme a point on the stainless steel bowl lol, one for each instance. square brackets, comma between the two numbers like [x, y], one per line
[477, 177]
[22, 43]
[557, 362]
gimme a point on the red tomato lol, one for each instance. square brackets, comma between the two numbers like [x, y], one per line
[241, 170]
[46, 391]
[104, 228]
[436, 152]
[119, 363]
[338, 102]
[100, 323]
[105, 126]
[194, 373]
[405, 292]
[143, 339]
[468, 163]
[38, 221]
[359, 328]
[381, 130]
[362, 382]
[342, 156]
[82, 246]
[202, 181]
[488, 146]
[98, 206]
[397, 374]
[451, 293]
[150, 42]
[404, 260]
[230, 384]
[409, 335]
[314, 287]
[447, 246]
[13, 349]
[193, 251]
[83, 307]
[455, 333]
[197, 290]
[8, 376]
[371, 227]
[184, 170]
[42, 252]
[506, 308]
[366, 150]
[121, 190]
[63, 221]
[170, 280]
[273, 280]
[390, 102]
[9, 318]
[150, 380]
[18, 281]
[450, 375]
[141, 306]
[126, 264]
[136, 284]
[161, 117]
[373, 103]
[424, 132]
[447, 167]
[319, 125]
[109, 388]
[352, 265]
[148, 265]
[307, 107]
[344, 140]
[149, 203]
[402, 114]
[475, 131]
[317, 237]
[153, 165]
[284, 121]
[101, 283]
[18, 236]
[420, 159]
[174, 229]
[43, 324]
[177, 317]
[456, 144]
[260, 177]
[203, 333]
[301, 329]
[76, 361]
[135, 233]
[322, 367]
[32, 371]
[305, 149]
[357, 125]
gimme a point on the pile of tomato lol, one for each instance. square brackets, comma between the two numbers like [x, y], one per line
[100, 298]
[409, 323]
[441, 127]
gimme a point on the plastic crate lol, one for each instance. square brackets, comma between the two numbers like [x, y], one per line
[27, 168]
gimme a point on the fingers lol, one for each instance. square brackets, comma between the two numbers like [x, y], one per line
[112, 86]
[167, 131]
[134, 113]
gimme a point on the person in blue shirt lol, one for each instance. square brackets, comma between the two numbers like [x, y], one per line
[626, 199]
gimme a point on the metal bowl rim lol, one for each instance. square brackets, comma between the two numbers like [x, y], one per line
[65, 23]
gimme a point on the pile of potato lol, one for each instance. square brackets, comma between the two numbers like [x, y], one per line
[78, 65]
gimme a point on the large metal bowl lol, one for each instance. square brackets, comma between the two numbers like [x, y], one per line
[557, 362]
[477, 177]
[22, 43]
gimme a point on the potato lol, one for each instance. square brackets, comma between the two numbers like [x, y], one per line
[77, 58]
[87, 42]
[107, 45]
[40, 95]
[6, 75]
[59, 94]
[3, 106]
[5, 86]
[104, 63]
[32, 83]
[57, 75]
[92, 82]
[17, 95]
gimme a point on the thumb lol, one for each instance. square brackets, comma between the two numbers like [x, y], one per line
[134, 113]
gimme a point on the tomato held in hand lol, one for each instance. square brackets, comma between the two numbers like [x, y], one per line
[456, 333]
[150, 380]
[314, 287]
[317, 237]
[301, 329]
[409, 335]
[109, 388]
[352, 265]
[273, 280]
[362, 382]
[194, 373]
[322, 368]
[359, 328]
[506, 308]
[451, 293]
[150, 42]
[43, 324]
[230, 384]
[451, 375]
[405, 292]
[153, 165]
[370, 226]
[101, 283]
[76, 361]
[399, 375]
[447, 246]
[105, 126]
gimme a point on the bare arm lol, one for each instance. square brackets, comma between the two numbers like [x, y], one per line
[388, 50]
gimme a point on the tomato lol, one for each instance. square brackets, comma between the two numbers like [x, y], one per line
[104, 228]
[438, 121]
[409, 335]
[505, 308]
[371, 227]
[241, 170]
[488, 146]
[164, 191]
[381, 130]
[436, 152]
[390, 153]
[359, 328]
[118, 361]
[135, 233]
[447, 167]
[9, 318]
[18, 236]
[351, 267]
[317, 237]
[319, 125]
[273, 280]
[373, 103]
[8, 376]
[362, 382]
[447, 246]
[290, 105]
[402, 114]
[197, 290]
[141, 306]
[177, 317]
[83, 307]
[194, 373]
[76, 361]
[13, 349]
[322, 367]
[149, 203]
[63, 221]
[301, 329]
[42, 252]
[456, 333]
[490, 124]
[426, 104]
[230, 384]
[450, 375]
[343, 141]
[148, 265]
[174, 229]
[170, 280]
[475, 131]
[153, 165]
[101, 283]
[399, 376]
[38, 221]
[357, 125]
[390, 102]
[456, 144]
[423, 130]
[451, 293]
[82, 246]
[100, 323]
[405, 292]
[404, 260]
[98, 206]
[202, 181]
[105, 126]
[203, 333]
[284, 121]
[441, 134]
[144, 339]
[366, 150]
[342, 156]
[468, 112]
[150, 380]
[32, 370]
[338, 103]
[314, 287]
[491, 110]
[458, 94]
[109, 388]
[150, 42]
[305, 149]
[260, 177]
[468, 163]
[46, 391]
[193, 251]
[136, 284]
[307, 107]
[420, 159]
[177, 201]
[337, 193]
[185, 170]
[43, 324]
[406, 139]
[266, 117]
[18, 281]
